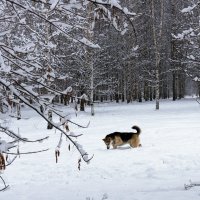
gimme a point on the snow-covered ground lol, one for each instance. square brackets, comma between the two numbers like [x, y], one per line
[168, 159]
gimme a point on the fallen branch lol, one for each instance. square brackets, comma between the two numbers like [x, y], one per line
[190, 185]
[197, 100]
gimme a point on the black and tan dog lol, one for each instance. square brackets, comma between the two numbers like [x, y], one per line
[120, 138]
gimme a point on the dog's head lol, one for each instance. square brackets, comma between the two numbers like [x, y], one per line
[107, 141]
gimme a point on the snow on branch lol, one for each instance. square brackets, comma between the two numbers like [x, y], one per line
[3, 67]
[40, 16]
[112, 6]
[53, 3]
[188, 9]
[184, 34]
[15, 92]
[89, 43]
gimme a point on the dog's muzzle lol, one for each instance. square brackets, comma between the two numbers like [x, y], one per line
[108, 147]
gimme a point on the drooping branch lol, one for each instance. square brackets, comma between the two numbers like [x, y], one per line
[9, 86]
[15, 136]
[71, 121]
[115, 5]
[24, 153]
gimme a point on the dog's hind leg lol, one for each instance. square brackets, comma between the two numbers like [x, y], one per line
[135, 143]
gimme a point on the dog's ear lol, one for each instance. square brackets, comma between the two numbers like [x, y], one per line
[104, 139]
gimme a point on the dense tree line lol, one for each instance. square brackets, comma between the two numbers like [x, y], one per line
[162, 61]
[156, 58]
[150, 56]
[159, 58]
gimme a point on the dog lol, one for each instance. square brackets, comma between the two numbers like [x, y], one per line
[120, 138]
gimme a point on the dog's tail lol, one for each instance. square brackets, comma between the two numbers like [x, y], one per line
[137, 129]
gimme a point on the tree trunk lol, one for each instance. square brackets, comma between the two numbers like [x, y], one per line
[82, 105]
[49, 126]
[174, 86]
[92, 87]
[117, 98]
[18, 110]
[157, 90]
[89, 57]
[157, 33]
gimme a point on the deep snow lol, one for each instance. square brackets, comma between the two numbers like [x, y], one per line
[168, 159]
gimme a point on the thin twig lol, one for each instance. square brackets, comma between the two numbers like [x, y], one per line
[30, 152]
[5, 186]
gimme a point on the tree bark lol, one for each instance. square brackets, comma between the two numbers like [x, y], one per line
[49, 126]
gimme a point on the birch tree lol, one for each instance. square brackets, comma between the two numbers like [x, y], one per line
[157, 34]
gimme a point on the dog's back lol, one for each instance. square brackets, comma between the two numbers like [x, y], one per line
[125, 136]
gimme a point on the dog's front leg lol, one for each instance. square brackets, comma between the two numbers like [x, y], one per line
[114, 144]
